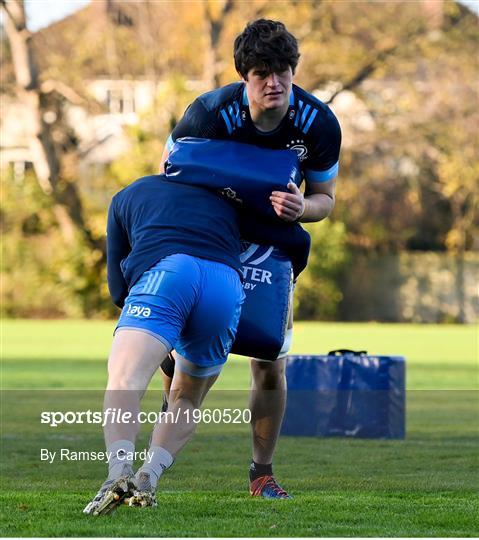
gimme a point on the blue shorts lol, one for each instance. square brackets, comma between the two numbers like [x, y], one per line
[191, 305]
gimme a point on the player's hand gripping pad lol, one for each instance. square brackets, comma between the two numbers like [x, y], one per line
[264, 315]
[241, 172]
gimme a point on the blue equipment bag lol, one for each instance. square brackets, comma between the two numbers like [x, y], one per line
[264, 315]
[241, 172]
[346, 393]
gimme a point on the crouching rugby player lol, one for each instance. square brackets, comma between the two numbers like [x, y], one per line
[173, 266]
[174, 269]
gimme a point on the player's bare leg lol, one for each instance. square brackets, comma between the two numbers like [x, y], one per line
[134, 358]
[187, 392]
[267, 405]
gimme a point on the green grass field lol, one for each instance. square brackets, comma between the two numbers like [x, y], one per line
[425, 485]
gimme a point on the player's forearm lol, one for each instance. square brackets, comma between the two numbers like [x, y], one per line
[117, 249]
[117, 285]
[118, 290]
[318, 206]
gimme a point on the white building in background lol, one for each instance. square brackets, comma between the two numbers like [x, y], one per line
[124, 99]
[102, 136]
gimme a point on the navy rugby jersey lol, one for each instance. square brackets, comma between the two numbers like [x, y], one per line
[309, 127]
[153, 218]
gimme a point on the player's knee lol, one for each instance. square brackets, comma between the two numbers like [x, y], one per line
[269, 375]
[115, 383]
[184, 398]
[126, 381]
[193, 388]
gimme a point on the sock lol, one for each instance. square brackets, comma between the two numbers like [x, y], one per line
[119, 450]
[257, 469]
[161, 460]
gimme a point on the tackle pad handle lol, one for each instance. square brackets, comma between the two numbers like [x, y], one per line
[341, 352]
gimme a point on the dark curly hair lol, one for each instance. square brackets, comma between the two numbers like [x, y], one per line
[265, 44]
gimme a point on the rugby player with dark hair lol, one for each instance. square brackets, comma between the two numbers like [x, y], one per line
[266, 109]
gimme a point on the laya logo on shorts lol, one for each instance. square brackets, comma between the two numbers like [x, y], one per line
[138, 311]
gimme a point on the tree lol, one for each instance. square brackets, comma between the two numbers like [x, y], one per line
[407, 181]
[47, 155]
[215, 14]
[318, 293]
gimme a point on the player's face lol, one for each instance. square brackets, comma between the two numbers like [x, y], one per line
[269, 90]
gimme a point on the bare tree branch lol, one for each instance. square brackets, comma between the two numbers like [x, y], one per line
[380, 58]
[366, 71]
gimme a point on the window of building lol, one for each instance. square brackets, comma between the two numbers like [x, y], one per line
[120, 100]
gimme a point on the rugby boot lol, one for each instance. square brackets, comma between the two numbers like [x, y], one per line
[144, 493]
[266, 486]
[112, 493]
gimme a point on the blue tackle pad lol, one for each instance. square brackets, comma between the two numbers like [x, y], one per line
[241, 172]
[346, 394]
[264, 315]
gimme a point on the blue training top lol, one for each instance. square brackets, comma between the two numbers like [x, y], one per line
[309, 127]
[153, 218]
